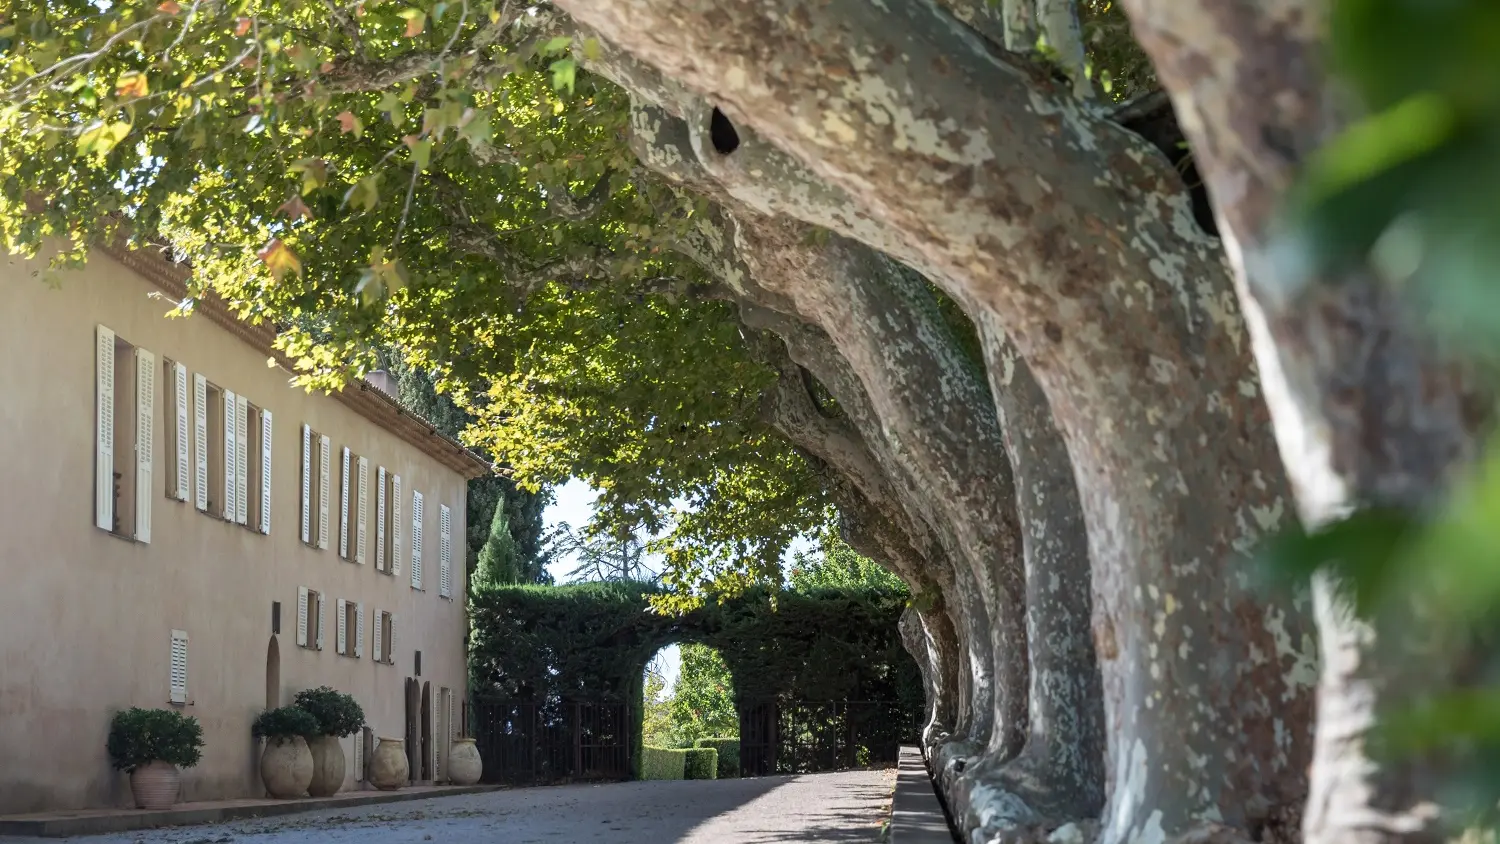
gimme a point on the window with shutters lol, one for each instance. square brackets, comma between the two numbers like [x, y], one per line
[380, 522]
[416, 540]
[310, 612]
[125, 425]
[177, 438]
[348, 511]
[384, 631]
[317, 488]
[254, 466]
[178, 671]
[218, 456]
[445, 551]
[349, 618]
[391, 517]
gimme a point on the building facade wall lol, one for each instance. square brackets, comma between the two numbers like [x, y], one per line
[86, 616]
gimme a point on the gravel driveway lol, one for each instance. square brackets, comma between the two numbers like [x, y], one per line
[841, 807]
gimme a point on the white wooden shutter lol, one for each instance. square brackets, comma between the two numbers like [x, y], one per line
[104, 429]
[265, 471]
[379, 653]
[359, 630]
[380, 482]
[302, 616]
[344, 503]
[319, 625]
[359, 756]
[341, 646]
[306, 484]
[325, 445]
[445, 550]
[416, 539]
[395, 537]
[231, 447]
[179, 666]
[180, 417]
[241, 460]
[200, 440]
[145, 441]
[362, 505]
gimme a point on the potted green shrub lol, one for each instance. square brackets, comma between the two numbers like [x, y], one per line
[153, 745]
[338, 716]
[286, 765]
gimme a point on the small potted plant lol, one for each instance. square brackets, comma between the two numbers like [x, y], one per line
[286, 765]
[153, 745]
[338, 716]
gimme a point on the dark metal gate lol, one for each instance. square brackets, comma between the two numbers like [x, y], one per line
[802, 737]
[540, 744]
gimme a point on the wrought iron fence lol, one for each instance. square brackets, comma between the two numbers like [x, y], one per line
[539, 744]
[801, 737]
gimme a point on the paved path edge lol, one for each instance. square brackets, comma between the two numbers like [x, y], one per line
[917, 814]
[126, 820]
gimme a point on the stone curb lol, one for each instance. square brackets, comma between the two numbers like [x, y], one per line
[126, 820]
[917, 815]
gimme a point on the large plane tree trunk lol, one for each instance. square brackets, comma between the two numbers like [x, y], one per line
[1078, 237]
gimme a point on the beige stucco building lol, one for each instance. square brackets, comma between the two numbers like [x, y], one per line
[183, 528]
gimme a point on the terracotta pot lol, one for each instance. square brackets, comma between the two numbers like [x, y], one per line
[155, 785]
[388, 768]
[328, 766]
[464, 765]
[286, 767]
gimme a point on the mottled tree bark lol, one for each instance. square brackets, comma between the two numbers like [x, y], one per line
[1078, 237]
[1365, 408]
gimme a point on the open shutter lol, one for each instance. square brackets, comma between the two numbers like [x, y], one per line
[359, 630]
[200, 441]
[445, 550]
[265, 471]
[241, 460]
[302, 616]
[395, 525]
[325, 445]
[344, 503]
[184, 434]
[231, 448]
[379, 653]
[179, 666]
[104, 429]
[380, 482]
[145, 441]
[416, 540]
[341, 645]
[306, 484]
[362, 507]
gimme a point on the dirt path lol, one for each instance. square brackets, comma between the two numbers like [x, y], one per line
[841, 807]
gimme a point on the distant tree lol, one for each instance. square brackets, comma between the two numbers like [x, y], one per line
[657, 721]
[834, 565]
[498, 564]
[703, 699]
[600, 557]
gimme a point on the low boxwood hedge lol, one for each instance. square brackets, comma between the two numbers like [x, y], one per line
[702, 763]
[663, 763]
[729, 755]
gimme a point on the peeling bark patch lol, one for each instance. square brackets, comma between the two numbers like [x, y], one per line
[1053, 331]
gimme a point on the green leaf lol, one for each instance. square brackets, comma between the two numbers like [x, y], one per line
[102, 137]
[478, 129]
[554, 45]
[364, 194]
[390, 103]
[416, 21]
[421, 152]
[564, 74]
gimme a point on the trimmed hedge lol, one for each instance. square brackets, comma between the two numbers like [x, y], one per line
[663, 763]
[729, 755]
[701, 763]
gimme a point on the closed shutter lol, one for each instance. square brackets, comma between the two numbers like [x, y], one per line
[380, 482]
[379, 653]
[241, 460]
[179, 667]
[200, 441]
[362, 506]
[341, 643]
[359, 630]
[390, 638]
[318, 623]
[445, 550]
[145, 441]
[344, 503]
[184, 434]
[416, 540]
[359, 756]
[302, 616]
[325, 445]
[395, 525]
[265, 471]
[104, 429]
[230, 447]
[306, 484]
